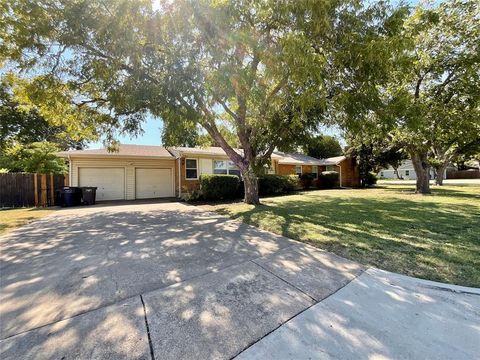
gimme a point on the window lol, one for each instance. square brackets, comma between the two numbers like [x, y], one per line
[331, 168]
[225, 167]
[191, 171]
[407, 172]
[381, 173]
[315, 171]
[220, 167]
[298, 170]
[232, 169]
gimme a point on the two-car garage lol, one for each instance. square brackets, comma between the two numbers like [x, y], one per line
[149, 183]
[135, 172]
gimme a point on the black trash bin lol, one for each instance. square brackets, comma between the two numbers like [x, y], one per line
[71, 196]
[88, 195]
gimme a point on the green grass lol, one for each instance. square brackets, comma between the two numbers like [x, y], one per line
[435, 237]
[12, 218]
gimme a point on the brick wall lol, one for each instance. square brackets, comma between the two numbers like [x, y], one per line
[350, 173]
[286, 169]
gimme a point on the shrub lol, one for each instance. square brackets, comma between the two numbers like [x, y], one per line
[193, 195]
[328, 179]
[306, 180]
[370, 179]
[218, 187]
[277, 184]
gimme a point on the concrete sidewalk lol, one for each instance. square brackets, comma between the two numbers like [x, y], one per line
[381, 315]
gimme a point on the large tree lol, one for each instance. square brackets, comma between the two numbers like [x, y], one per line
[428, 102]
[267, 69]
[435, 91]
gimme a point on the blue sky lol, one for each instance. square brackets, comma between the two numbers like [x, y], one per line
[152, 130]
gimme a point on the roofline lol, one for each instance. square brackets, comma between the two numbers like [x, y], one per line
[85, 155]
[299, 163]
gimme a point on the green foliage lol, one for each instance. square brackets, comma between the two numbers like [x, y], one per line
[306, 180]
[322, 147]
[267, 71]
[219, 187]
[24, 124]
[428, 101]
[277, 184]
[193, 195]
[328, 179]
[37, 157]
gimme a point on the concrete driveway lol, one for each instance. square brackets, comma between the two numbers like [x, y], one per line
[166, 280]
[171, 281]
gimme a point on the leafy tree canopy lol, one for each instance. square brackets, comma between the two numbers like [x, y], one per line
[270, 69]
[25, 125]
[38, 157]
[322, 146]
[429, 99]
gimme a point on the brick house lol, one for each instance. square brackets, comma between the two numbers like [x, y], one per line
[144, 172]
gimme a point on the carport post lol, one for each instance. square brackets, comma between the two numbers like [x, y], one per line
[340, 174]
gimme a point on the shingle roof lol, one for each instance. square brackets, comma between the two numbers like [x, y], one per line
[210, 150]
[333, 160]
[129, 150]
[297, 159]
[123, 150]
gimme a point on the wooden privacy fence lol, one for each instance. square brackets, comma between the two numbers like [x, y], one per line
[24, 190]
[463, 174]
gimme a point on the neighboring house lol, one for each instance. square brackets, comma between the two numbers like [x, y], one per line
[405, 171]
[144, 172]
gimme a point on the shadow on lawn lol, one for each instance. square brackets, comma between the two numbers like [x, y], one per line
[424, 239]
[449, 191]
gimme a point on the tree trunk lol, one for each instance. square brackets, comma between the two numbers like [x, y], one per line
[250, 181]
[440, 174]
[422, 169]
[395, 171]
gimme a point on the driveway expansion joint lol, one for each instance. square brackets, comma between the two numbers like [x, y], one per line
[152, 354]
[285, 281]
[315, 302]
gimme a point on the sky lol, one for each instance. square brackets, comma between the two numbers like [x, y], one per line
[152, 130]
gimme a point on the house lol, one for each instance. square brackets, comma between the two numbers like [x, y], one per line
[405, 171]
[144, 172]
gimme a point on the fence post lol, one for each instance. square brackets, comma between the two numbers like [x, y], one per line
[35, 188]
[52, 191]
[43, 194]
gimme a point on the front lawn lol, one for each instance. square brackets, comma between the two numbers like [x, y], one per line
[435, 237]
[12, 218]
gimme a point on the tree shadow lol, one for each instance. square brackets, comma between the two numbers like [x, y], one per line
[66, 265]
[423, 239]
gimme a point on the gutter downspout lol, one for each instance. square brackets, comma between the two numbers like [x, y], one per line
[179, 178]
[69, 171]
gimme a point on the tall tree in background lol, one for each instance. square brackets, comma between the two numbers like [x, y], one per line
[267, 70]
[322, 147]
[434, 94]
[26, 125]
[428, 101]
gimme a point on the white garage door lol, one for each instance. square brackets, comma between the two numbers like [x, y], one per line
[153, 183]
[110, 182]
